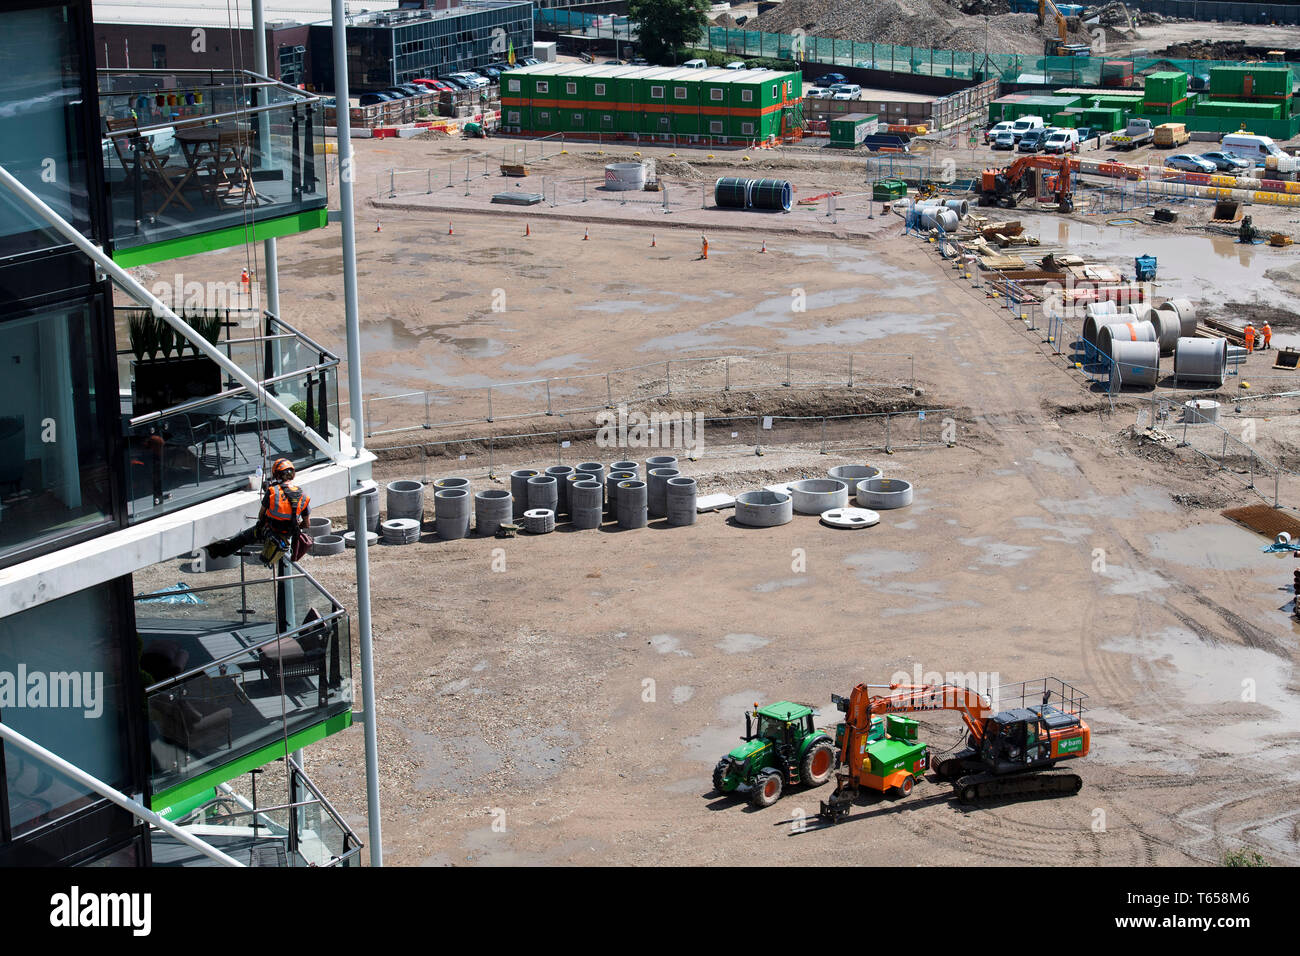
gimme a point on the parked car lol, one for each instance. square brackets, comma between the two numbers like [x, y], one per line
[845, 91]
[1258, 150]
[1004, 140]
[1023, 125]
[397, 93]
[478, 80]
[1227, 163]
[640, 61]
[411, 89]
[1191, 164]
[376, 99]
[533, 61]
[816, 93]
[695, 64]
[493, 73]
[1031, 141]
[433, 86]
[1086, 133]
[1061, 141]
[830, 79]
[735, 65]
[456, 81]
[993, 130]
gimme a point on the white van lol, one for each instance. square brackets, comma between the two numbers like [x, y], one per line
[695, 64]
[1061, 141]
[1023, 125]
[1258, 149]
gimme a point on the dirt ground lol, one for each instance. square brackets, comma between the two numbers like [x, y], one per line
[563, 699]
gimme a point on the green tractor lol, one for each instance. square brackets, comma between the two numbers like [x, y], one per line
[782, 748]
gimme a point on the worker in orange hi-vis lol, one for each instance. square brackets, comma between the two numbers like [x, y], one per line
[1267, 332]
[704, 247]
[1250, 337]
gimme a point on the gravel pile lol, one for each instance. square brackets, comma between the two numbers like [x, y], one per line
[923, 23]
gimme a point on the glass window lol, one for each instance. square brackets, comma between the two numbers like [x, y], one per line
[747, 128]
[571, 88]
[600, 89]
[543, 86]
[512, 117]
[54, 476]
[39, 125]
[747, 96]
[61, 685]
[512, 86]
[715, 126]
[715, 94]
[679, 92]
[657, 92]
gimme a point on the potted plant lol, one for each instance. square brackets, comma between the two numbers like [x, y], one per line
[164, 374]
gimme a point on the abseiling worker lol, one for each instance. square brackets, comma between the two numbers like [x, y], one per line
[284, 512]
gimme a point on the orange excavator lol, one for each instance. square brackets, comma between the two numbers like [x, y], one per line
[1007, 186]
[1009, 752]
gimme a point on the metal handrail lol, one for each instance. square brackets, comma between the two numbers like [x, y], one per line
[138, 809]
[306, 338]
[243, 651]
[227, 393]
[337, 817]
[204, 120]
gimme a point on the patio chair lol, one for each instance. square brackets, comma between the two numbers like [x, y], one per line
[168, 181]
[308, 655]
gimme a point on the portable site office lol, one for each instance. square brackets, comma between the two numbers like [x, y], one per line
[667, 102]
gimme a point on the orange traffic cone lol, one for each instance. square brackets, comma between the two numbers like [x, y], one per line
[379, 227]
[585, 235]
[527, 230]
[764, 249]
[652, 240]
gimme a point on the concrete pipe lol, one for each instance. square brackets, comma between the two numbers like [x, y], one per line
[681, 496]
[1138, 312]
[372, 509]
[350, 538]
[539, 520]
[659, 461]
[441, 483]
[1200, 411]
[938, 217]
[451, 513]
[319, 526]
[852, 474]
[812, 496]
[596, 472]
[1094, 320]
[400, 530]
[1201, 360]
[544, 493]
[632, 506]
[493, 507]
[1186, 315]
[205, 563]
[611, 487]
[586, 496]
[327, 544]
[960, 206]
[406, 499]
[1169, 328]
[519, 490]
[1108, 335]
[624, 466]
[763, 509]
[882, 494]
[1137, 363]
[657, 494]
[561, 473]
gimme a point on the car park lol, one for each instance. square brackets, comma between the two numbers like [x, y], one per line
[1190, 164]
[993, 131]
[1228, 163]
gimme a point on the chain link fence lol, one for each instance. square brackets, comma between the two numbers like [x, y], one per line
[593, 391]
[693, 438]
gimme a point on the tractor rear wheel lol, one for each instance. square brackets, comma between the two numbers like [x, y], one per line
[766, 789]
[720, 775]
[818, 763]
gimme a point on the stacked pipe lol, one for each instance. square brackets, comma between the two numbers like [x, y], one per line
[681, 495]
[519, 490]
[612, 480]
[400, 530]
[657, 491]
[406, 499]
[585, 498]
[493, 507]
[451, 512]
[632, 505]
[561, 473]
[539, 521]
[543, 494]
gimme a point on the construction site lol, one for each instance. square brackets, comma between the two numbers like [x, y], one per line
[758, 481]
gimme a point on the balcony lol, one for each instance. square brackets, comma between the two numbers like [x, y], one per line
[192, 433]
[197, 160]
[305, 830]
[240, 669]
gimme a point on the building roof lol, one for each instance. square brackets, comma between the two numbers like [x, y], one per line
[212, 13]
[714, 75]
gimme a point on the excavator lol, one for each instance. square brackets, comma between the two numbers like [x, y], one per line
[1010, 752]
[1007, 186]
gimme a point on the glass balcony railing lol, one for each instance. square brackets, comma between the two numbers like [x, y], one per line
[238, 665]
[304, 830]
[192, 432]
[197, 151]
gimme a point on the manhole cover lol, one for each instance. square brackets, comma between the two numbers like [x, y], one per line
[850, 517]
